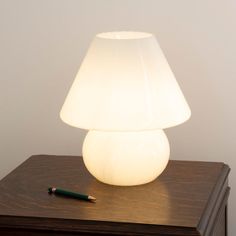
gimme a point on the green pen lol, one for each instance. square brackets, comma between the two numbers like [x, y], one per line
[67, 193]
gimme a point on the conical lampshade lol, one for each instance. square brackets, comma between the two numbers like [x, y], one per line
[125, 84]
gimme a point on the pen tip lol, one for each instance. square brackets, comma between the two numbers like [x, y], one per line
[92, 199]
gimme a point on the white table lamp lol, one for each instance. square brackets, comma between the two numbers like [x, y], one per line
[125, 94]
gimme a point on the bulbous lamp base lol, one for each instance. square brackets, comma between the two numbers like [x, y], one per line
[126, 158]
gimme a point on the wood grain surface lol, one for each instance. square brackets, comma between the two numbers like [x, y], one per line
[181, 201]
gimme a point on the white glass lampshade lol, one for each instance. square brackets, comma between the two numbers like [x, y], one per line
[125, 83]
[125, 93]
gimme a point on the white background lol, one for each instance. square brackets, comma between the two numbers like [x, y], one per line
[43, 42]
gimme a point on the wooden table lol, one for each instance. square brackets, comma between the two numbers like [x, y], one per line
[189, 198]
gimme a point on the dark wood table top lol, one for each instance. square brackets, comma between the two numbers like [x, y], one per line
[181, 197]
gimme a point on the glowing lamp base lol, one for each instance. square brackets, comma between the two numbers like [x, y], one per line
[126, 158]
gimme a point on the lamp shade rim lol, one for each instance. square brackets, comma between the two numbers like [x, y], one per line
[127, 128]
[124, 35]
